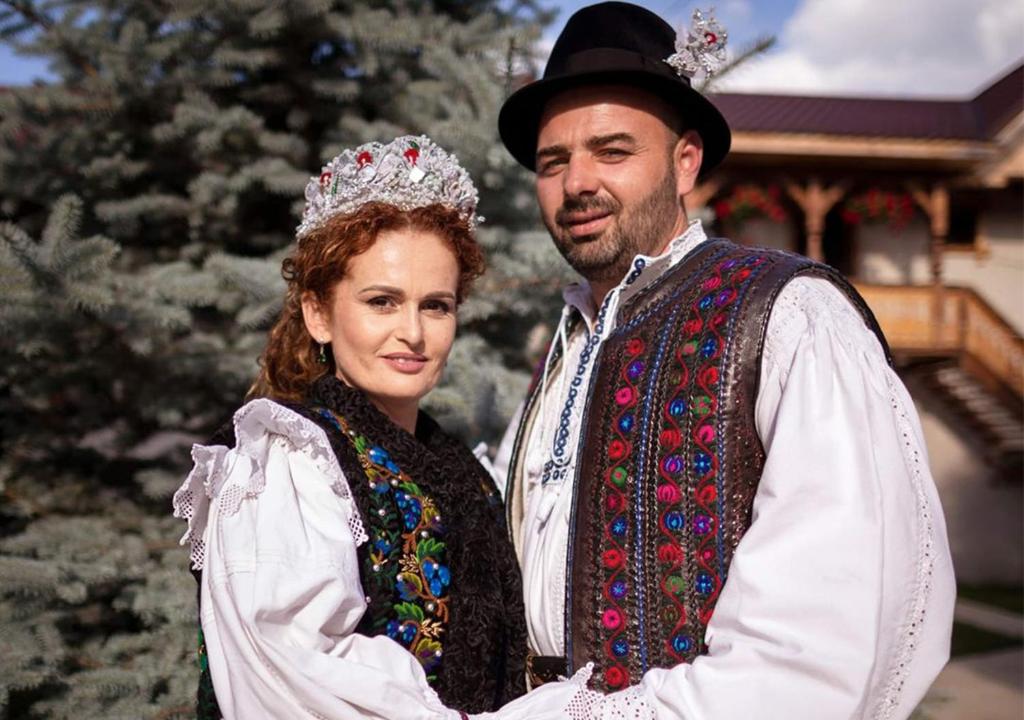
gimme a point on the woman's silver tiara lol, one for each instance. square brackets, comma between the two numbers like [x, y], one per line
[409, 172]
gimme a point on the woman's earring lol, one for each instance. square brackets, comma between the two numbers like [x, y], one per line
[322, 357]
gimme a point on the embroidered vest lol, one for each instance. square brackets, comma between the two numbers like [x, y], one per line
[670, 459]
[438, 570]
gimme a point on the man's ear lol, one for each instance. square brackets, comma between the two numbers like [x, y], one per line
[687, 157]
[315, 316]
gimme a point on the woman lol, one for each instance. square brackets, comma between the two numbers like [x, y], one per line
[353, 557]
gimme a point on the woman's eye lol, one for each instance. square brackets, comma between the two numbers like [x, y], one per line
[381, 302]
[438, 306]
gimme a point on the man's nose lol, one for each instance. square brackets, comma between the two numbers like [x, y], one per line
[580, 177]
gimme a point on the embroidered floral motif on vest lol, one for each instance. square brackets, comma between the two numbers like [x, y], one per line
[408, 555]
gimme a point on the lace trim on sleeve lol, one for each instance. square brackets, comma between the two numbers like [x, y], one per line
[192, 499]
[906, 645]
[585, 704]
[252, 423]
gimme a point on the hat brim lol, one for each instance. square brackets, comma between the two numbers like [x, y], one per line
[519, 118]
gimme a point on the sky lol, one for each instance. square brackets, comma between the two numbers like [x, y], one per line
[920, 48]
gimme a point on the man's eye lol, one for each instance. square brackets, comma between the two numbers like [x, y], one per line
[549, 166]
[614, 153]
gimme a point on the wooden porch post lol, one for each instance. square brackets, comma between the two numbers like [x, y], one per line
[815, 200]
[935, 205]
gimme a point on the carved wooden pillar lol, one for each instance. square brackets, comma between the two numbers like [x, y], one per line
[935, 204]
[815, 200]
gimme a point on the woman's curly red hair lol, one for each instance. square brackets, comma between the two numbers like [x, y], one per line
[289, 365]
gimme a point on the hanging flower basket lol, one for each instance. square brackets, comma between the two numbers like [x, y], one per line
[747, 202]
[879, 206]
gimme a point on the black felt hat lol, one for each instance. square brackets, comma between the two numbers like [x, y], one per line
[612, 42]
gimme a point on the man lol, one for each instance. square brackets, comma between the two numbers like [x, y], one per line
[718, 488]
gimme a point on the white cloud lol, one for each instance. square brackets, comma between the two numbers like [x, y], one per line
[887, 47]
[737, 9]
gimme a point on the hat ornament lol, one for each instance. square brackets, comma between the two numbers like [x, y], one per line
[700, 47]
[409, 172]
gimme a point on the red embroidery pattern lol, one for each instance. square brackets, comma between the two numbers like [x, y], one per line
[617, 525]
[688, 567]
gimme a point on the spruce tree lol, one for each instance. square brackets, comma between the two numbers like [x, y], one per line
[147, 198]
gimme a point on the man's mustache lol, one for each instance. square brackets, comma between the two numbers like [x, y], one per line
[585, 203]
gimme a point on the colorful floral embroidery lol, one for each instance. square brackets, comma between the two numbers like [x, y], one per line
[673, 493]
[407, 552]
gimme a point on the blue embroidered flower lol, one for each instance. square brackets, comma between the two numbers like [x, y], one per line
[383, 545]
[626, 422]
[390, 465]
[681, 643]
[392, 629]
[705, 302]
[675, 520]
[620, 647]
[407, 633]
[705, 584]
[701, 463]
[708, 348]
[378, 455]
[381, 487]
[635, 369]
[437, 575]
[619, 526]
[677, 408]
[618, 589]
[411, 510]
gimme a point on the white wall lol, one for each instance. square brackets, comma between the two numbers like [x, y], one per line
[998, 275]
[984, 514]
[762, 232]
[893, 257]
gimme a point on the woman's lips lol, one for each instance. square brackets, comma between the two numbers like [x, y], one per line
[588, 224]
[406, 362]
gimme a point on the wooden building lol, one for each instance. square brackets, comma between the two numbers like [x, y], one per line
[919, 202]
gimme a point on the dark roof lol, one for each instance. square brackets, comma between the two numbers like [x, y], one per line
[978, 118]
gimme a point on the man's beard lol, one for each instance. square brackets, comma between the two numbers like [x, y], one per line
[607, 256]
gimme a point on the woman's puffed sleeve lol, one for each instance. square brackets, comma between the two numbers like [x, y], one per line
[280, 589]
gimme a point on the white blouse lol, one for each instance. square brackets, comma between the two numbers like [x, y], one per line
[274, 528]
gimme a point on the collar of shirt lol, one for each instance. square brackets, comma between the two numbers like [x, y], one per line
[645, 270]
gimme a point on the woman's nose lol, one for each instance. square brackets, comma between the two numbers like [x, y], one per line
[410, 327]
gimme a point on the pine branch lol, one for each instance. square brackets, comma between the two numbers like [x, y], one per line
[27, 11]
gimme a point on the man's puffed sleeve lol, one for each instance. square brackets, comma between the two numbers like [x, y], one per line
[280, 591]
[839, 599]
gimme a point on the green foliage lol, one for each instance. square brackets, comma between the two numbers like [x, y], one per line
[147, 199]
